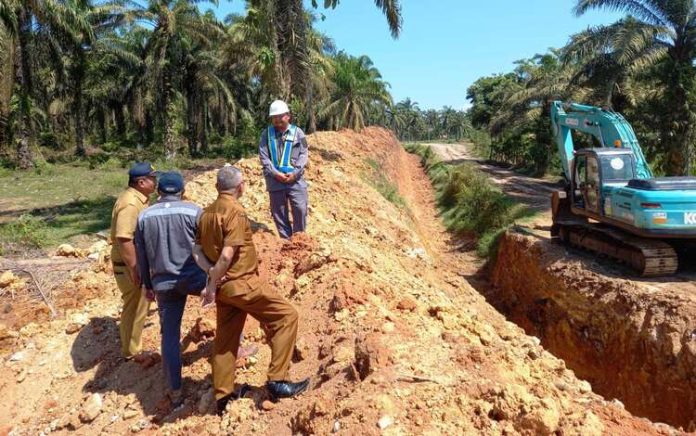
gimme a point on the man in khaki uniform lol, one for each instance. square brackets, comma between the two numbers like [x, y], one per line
[142, 181]
[225, 249]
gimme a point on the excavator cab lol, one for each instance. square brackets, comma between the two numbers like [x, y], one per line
[596, 168]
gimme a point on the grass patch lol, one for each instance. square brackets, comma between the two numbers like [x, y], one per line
[51, 204]
[26, 232]
[378, 180]
[470, 204]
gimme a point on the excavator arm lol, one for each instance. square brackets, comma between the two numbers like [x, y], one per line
[610, 128]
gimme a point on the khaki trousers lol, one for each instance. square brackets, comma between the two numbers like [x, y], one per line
[236, 299]
[135, 308]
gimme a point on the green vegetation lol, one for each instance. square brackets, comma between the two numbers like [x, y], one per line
[469, 203]
[413, 124]
[382, 184]
[54, 203]
[86, 78]
[25, 232]
[641, 66]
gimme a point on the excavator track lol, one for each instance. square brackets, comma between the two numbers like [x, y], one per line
[648, 257]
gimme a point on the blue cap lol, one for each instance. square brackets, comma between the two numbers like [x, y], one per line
[171, 182]
[142, 169]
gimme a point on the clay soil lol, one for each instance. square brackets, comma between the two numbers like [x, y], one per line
[633, 339]
[393, 337]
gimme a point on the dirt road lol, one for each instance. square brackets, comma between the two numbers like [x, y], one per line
[528, 190]
[634, 339]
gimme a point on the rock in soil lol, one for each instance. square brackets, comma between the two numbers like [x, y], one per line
[268, 405]
[91, 408]
[203, 329]
[73, 327]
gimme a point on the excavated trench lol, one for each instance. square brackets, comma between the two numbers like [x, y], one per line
[633, 341]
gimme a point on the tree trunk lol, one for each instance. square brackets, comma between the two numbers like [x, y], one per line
[119, 118]
[280, 86]
[191, 119]
[170, 145]
[26, 134]
[78, 77]
[8, 67]
[148, 130]
[311, 113]
[169, 138]
[101, 126]
[203, 127]
[678, 134]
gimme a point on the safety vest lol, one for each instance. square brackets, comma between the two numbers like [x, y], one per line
[283, 164]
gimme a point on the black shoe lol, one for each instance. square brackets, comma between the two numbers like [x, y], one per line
[284, 389]
[221, 404]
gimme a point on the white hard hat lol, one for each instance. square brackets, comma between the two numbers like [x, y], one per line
[278, 107]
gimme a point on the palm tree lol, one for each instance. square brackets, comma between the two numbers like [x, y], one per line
[321, 69]
[544, 78]
[667, 31]
[7, 48]
[79, 41]
[448, 120]
[205, 90]
[408, 112]
[358, 86]
[432, 122]
[606, 58]
[179, 28]
[20, 17]
[390, 8]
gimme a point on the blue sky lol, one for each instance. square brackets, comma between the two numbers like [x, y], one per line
[447, 44]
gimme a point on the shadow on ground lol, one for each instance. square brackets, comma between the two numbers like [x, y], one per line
[98, 346]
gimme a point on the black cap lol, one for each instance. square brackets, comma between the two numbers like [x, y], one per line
[171, 182]
[142, 169]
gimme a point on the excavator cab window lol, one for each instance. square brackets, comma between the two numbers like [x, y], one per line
[591, 188]
[586, 190]
[617, 168]
[580, 180]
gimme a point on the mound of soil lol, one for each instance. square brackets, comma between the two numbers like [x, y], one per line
[393, 338]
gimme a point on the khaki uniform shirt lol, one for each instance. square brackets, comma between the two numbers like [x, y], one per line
[124, 219]
[225, 224]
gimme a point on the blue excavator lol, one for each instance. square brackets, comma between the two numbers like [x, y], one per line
[612, 204]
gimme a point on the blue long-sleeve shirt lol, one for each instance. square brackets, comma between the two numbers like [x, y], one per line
[298, 158]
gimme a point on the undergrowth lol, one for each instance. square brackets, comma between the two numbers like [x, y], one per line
[27, 231]
[470, 204]
[382, 184]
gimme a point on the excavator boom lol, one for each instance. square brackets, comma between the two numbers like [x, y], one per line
[610, 128]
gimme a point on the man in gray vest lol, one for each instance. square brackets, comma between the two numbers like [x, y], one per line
[284, 152]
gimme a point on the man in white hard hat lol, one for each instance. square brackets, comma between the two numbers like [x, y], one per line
[284, 152]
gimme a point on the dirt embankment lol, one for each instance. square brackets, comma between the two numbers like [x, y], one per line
[635, 342]
[393, 338]
[633, 339]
